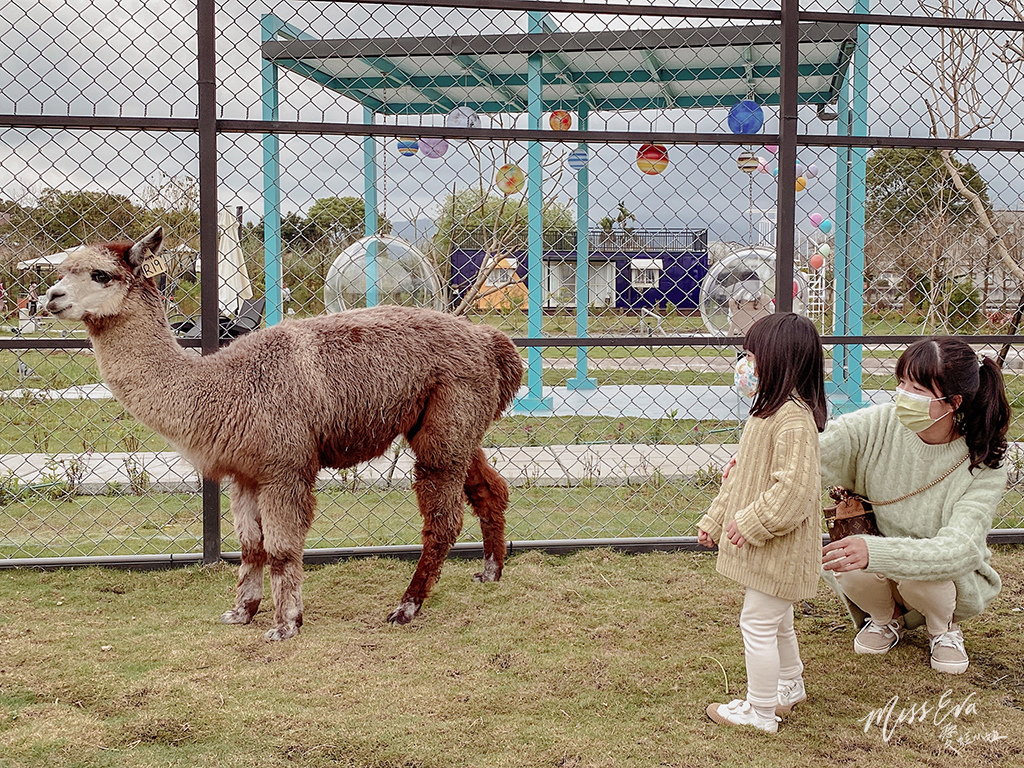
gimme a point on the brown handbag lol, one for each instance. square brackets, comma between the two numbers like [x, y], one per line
[853, 514]
[850, 515]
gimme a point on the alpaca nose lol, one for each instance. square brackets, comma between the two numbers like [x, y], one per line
[53, 294]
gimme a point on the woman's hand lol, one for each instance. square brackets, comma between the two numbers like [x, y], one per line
[704, 539]
[728, 466]
[849, 554]
[732, 533]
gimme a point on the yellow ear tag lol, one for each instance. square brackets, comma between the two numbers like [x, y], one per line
[153, 266]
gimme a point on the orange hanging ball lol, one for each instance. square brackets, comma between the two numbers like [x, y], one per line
[801, 183]
[817, 261]
[652, 159]
[560, 120]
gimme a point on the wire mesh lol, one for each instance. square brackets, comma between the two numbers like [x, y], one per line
[602, 183]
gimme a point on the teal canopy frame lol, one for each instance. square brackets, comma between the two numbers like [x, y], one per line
[530, 73]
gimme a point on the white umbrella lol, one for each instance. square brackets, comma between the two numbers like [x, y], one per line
[234, 277]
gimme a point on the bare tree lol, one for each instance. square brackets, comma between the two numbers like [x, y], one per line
[971, 81]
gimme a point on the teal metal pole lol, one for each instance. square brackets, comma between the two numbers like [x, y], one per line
[581, 380]
[534, 400]
[272, 272]
[847, 360]
[370, 223]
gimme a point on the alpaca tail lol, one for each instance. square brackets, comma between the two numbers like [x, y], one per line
[510, 370]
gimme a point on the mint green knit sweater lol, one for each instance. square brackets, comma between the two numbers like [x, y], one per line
[937, 535]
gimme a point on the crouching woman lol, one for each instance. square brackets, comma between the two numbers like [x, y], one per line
[932, 462]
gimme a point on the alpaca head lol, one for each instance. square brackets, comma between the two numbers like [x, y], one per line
[97, 279]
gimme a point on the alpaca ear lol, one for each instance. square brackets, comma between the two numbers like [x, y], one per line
[146, 248]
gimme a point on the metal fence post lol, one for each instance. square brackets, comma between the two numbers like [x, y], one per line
[210, 309]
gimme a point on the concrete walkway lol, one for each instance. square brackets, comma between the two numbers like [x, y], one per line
[548, 465]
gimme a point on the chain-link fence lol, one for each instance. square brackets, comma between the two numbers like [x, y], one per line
[623, 189]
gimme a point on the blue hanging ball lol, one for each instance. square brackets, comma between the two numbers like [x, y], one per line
[746, 117]
[578, 159]
[408, 147]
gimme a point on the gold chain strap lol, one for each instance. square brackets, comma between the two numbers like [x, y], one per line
[932, 484]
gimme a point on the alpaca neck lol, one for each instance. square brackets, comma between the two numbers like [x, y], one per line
[145, 368]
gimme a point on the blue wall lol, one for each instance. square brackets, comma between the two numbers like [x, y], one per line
[681, 275]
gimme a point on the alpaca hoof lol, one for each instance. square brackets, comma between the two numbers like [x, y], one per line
[278, 634]
[403, 613]
[491, 571]
[236, 616]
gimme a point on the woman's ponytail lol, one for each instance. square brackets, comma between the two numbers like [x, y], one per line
[985, 417]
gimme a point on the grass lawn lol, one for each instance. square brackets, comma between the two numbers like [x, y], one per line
[596, 659]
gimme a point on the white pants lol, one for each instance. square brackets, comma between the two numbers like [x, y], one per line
[877, 596]
[769, 644]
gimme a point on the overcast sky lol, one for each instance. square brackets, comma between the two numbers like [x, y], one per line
[138, 58]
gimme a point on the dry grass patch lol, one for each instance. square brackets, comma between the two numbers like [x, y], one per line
[598, 659]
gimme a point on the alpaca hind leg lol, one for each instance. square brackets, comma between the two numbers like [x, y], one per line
[439, 494]
[245, 511]
[487, 492]
[287, 512]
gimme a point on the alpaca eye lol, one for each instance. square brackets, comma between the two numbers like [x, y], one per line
[100, 276]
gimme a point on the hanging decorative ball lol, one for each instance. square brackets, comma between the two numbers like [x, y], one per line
[799, 169]
[462, 117]
[746, 117]
[433, 148]
[578, 159]
[747, 162]
[811, 172]
[652, 159]
[801, 183]
[825, 226]
[817, 261]
[824, 249]
[771, 148]
[762, 165]
[560, 120]
[816, 218]
[408, 147]
[509, 179]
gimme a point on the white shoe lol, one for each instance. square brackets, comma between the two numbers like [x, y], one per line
[878, 638]
[948, 652]
[791, 693]
[741, 712]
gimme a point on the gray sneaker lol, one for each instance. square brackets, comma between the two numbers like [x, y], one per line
[948, 652]
[791, 693]
[878, 638]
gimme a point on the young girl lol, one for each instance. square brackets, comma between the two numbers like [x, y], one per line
[767, 517]
[945, 438]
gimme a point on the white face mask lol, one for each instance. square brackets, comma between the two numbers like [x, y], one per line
[913, 410]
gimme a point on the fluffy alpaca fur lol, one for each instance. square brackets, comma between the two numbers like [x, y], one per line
[276, 405]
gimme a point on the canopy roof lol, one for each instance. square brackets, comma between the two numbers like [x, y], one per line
[616, 70]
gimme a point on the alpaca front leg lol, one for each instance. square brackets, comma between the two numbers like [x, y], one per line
[287, 513]
[286, 586]
[249, 592]
[439, 494]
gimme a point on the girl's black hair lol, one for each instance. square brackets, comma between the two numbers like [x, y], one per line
[789, 360]
[949, 367]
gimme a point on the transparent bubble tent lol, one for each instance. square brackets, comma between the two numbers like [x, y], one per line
[381, 269]
[741, 288]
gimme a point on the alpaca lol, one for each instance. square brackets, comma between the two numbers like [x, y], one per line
[273, 407]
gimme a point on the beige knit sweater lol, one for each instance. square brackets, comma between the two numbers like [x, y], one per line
[774, 494]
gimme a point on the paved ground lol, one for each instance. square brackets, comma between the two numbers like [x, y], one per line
[607, 464]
